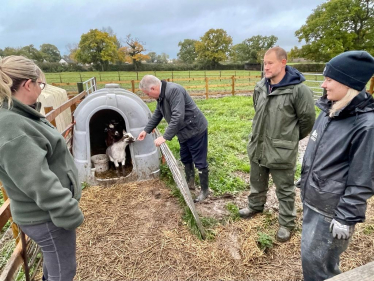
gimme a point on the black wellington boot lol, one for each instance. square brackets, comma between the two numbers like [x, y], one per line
[204, 183]
[190, 175]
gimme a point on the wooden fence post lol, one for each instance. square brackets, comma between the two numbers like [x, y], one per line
[100, 76]
[15, 229]
[60, 78]
[206, 87]
[133, 86]
[47, 110]
[233, 85]
[80, 87]
[137, 75]
[119, 76]
[172, 76]
[371, 89]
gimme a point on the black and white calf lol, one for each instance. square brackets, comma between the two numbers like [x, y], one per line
[117, 151]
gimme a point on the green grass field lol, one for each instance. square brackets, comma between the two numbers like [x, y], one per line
[219, 81]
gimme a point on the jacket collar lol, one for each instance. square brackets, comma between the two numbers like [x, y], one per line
[162, 92]
[23, 109]
[363, 102]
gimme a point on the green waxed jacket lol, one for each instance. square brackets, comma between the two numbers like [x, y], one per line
[283, 117]
[37, 170]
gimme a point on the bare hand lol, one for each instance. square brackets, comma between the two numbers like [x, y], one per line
[142, 135]
[159, 141]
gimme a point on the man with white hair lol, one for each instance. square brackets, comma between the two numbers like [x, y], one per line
[186, 121]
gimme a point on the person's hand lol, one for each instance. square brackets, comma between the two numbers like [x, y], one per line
[142, 135]
[341, 231]
[159, 141]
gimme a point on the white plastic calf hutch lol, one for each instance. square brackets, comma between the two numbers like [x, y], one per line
[91, 117]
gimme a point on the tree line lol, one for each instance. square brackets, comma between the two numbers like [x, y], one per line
[333, 27]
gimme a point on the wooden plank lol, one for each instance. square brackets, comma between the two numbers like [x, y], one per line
[5, 214]
[64, 84]
[190, 79]
[362, 273]
[13, 264]
[246, 84]
[116, 82]
[54, 113]
[220, 85]
[194, 87]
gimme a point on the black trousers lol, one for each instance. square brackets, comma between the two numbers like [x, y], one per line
[195, 150]
[320, 252]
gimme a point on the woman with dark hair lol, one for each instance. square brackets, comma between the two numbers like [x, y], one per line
[338, 167]
[37, 170]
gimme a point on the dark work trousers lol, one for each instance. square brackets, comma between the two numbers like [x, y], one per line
[320, 252]
[195, 150]
[285, 190]
[58, 246]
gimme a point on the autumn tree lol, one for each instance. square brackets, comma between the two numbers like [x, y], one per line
[9, 51]
[50, 53]
[187, 52]
[252, 49]
[152, 57]
[214, 47]
[31, 52]
[97, 47]
[338, 26]
[132, 53]
[163, 58]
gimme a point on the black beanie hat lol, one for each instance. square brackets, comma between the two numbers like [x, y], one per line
[353, 69]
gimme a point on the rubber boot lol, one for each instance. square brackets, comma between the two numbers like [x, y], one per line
[204, 183]
[190, 175]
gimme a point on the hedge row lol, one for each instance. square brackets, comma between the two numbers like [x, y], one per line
[73, 67]
[309, 67]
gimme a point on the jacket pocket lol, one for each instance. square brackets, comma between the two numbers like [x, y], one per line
[324, 194]
[281, 152]
[73, 185]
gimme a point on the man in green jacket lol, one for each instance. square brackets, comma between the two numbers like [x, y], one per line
[284, 115]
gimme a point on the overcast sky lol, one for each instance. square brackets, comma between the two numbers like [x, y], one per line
[160, 24]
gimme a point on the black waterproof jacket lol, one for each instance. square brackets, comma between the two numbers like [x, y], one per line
[182, 114]
[338, 167]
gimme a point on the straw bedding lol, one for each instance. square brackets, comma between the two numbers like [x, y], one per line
[135, 232]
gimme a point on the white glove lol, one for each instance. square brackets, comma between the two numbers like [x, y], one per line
[341, 231]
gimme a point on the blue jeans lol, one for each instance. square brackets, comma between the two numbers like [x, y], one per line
[320, 252]
[195, 150]
[58, 246]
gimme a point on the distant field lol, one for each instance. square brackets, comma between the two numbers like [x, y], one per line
[133, 75]
[219, 81]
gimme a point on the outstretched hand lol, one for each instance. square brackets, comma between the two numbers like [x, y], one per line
[142, 135]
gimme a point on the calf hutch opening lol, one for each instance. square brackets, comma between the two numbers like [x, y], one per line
[105, 148]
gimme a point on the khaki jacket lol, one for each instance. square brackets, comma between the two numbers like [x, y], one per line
[282, 118]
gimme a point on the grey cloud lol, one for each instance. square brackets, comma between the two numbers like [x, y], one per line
[160, 24]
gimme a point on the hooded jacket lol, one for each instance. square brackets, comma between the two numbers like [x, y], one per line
[338, 167]
[284, 115]
[37, 170]
[182, 114]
